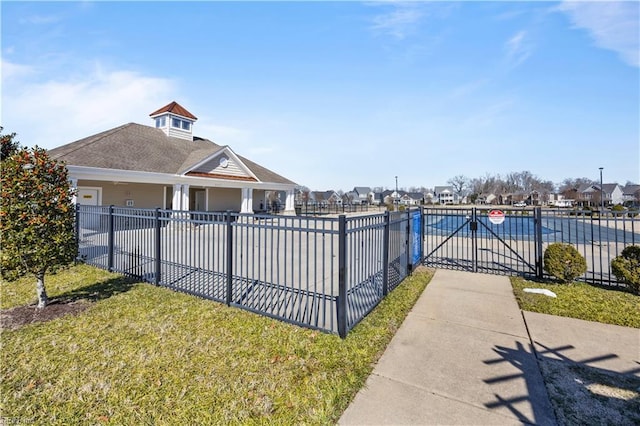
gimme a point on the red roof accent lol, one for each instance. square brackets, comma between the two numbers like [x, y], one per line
[174, 108]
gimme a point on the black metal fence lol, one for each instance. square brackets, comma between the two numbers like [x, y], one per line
[318, 209]
[471, 239]
[323, 273]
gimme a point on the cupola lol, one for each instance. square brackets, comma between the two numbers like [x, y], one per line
[174, 121]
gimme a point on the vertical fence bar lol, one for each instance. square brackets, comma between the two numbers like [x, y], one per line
[423, 221]
[342, 282]
[77, 230]
[156, 278]
[229, 258]
[537, 214]
[110, 246]
[385, 255]
[408, 243]
[474, 239]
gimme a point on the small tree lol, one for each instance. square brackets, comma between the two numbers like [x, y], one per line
[564, 262]
[9, 145]
[626, 267]
[36, 217]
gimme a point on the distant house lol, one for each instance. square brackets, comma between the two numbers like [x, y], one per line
[631, 194]
[559, 200]
[412, 198]
[363, 195]
[167, 166]
[391, 197]
[489, 198]
[591, 194]
[445, 195]
[325, 198]
[377, 198]
[428, 197]
[350, 198]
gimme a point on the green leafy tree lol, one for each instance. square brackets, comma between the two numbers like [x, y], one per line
[36, 217]
[9, 144]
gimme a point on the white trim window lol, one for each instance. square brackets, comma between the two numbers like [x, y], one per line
[161, 122]
[180, 124]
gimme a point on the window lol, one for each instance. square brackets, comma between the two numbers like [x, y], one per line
[161, 122]
[180, 124]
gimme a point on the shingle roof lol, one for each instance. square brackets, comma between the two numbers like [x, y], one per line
[631, 189]
[174, 108]
[142, 148]
[362, 190]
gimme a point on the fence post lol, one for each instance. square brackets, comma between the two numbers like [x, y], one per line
[342, 282]
[474, 239]
[156, 278]
[538, 241]
[77, 230]
[422, 233]
[229, 258]
[110, 236]
[408, 243]
[385, 254]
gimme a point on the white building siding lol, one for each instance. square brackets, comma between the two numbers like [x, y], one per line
[215, 166]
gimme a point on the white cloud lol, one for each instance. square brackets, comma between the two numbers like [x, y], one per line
[40, 19]
[518, 48]
[55, 112]
[12, 71]
[613, 25]
[399, 22]
[401, 18]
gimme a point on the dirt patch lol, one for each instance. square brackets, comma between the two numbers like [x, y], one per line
[14, 318]
[587, 395]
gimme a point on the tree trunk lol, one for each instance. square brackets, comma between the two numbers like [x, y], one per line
[42, 292]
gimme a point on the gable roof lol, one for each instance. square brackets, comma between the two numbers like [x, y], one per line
[362, 190]
[136, 147]
[631, 189]
[174, 108]
[441, 189]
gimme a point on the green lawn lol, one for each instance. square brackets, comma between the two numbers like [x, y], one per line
[580, 300]
[147, 355]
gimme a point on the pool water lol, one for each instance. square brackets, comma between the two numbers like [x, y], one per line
[515, 226]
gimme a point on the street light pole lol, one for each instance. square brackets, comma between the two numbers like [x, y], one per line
[601, 191]
[396, 197]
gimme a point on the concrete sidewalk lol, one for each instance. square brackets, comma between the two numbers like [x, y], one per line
[462, 356]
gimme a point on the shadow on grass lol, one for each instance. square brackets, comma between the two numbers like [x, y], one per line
[98, 291]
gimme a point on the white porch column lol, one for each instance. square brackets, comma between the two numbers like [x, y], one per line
[74, 188]
[176, 200]
[185, 197]
[290, 204]
[247, 201]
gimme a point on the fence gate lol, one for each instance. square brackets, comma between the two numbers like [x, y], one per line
[506, 242]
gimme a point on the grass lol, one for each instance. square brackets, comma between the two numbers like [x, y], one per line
[80, 281]
[580, 300]
[148, 355]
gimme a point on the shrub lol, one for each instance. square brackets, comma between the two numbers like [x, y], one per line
[626, 267]
[564, 262]
[618, 208]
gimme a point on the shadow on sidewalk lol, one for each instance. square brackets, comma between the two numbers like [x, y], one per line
[524, 360]
[579, 393]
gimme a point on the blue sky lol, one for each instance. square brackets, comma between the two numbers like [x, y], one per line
[334, 95]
